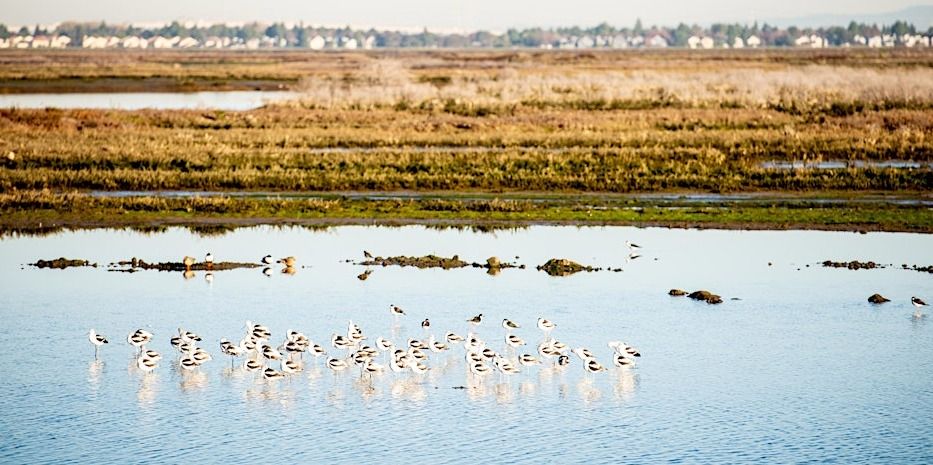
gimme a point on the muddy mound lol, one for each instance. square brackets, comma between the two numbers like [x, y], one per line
[878, 299]
[61, 263]
[563, 267]
[706, 296]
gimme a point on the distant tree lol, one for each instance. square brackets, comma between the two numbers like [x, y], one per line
[638, 29]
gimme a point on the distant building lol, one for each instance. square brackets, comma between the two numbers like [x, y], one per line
[738, 43]
[350, 43]
[656, 41]
[753, 41]
[585, 42]
[188, 42]
[693, 42]
[707, 43]
[317, 43]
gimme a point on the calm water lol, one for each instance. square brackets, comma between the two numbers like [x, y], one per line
[231, 100]
[801, 369]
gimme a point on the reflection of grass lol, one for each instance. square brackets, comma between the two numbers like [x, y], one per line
[28, 211]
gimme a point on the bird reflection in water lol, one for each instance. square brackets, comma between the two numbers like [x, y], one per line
[588, 392]
[94, 370]
[503, 393]
[193, 381]
[146, 394]
[625, 384]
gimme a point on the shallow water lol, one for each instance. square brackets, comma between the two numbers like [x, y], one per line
[229, 100]
[801, 369]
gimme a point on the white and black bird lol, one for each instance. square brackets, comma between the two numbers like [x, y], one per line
[546, 325]
[509, 324]
[453, 338]
[592, 366]
[96, 340]
[918, 313]
[268, 260]
[476, 320]
[632, 246]
[396, 310]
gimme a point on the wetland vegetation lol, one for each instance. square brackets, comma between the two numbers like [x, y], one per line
[444, 127]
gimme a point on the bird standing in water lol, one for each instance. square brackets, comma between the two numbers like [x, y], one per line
[97, 340]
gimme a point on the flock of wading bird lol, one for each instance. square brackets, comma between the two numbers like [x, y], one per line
[273, 362]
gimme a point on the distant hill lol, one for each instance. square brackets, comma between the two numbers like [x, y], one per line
[920, 15]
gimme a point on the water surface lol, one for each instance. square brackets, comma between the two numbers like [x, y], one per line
[227, 100]
[800, 369]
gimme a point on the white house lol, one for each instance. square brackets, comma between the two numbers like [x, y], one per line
[753, 41]
[316, 43]
[656, 41]
[707, 43]
[619, 41]
[41, 42]
[188, 42]
[738, 43]
[585, 42]
[350, 43]
[4, 43]
[693, 42]
[875, 42]
[60, 42]
[369, 43]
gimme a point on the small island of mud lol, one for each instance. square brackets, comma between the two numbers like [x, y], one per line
[434, 261]
[61, 263]
[564, 267]
[135, 264]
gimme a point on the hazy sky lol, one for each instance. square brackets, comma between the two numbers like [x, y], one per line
[438, 14]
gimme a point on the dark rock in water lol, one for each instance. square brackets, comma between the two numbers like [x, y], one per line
[140, 264]
[362, 276]
[62, 263]
[677, 292]
[433, 261]
[853, 265]
[707, 296]
[563, 267]
[427, 261]
[878, 299]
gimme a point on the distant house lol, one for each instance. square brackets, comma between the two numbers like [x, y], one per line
[94, 42]
[161, 42]
[60, 42]
[188, 42]
[707, 43]
[693, 42]
[4, 43]
[738, 43]
[753, 41]
[41, 42]
[369, 43]
[619, 41]
[656, 41]
[875, 42]
[350, 43]
[586, 42]
[252, 44]
[316, 43]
